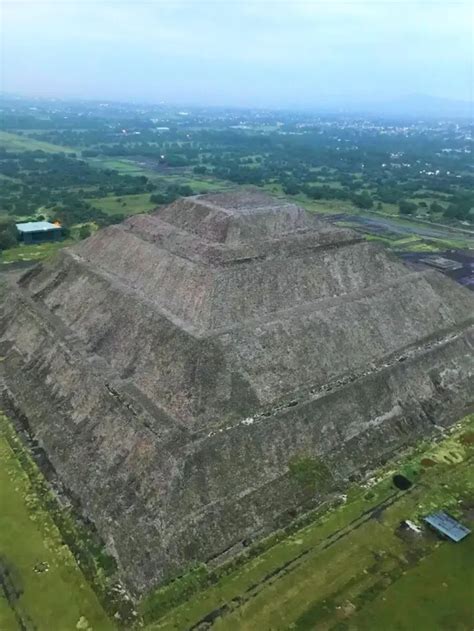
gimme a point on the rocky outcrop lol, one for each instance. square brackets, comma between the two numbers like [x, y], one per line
[177, 366]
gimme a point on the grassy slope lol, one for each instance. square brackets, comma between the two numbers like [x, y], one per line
[34, 252]
[15, 142]
[336, 572]
[58, 598]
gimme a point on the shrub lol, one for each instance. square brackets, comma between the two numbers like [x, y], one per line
[308, 471]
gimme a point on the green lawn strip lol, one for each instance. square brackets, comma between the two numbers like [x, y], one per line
[8, 620]
[385, 240]
[127, 167]
[303, 543]
[36, 252]
[448, 243]
[324, 581]
[59, 597]
[124, 205]
[407, 240]
[199, 183]
[123, 166]
[419, 246]
[436, 594]
[451, 231]
[413, 244]
[98, 567]
[278, 555]
[335, 206]
[358, 568]
[253, 571]
[433, 244]
[326, 206]
[17, 142]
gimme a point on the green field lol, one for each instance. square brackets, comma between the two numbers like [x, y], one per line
[353, 566]
[200, 184]
[35, 252]
[125, 205]
[411, 244]
[16, 142]
[47, 590]
[435, 595]
[343, 567]
[124, 167]
[419, 244]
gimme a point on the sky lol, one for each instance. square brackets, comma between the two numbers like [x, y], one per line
[262, 53]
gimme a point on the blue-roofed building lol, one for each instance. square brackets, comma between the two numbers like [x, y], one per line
[38, 231]
[447, 526]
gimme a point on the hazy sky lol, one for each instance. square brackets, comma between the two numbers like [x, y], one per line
[259, 52]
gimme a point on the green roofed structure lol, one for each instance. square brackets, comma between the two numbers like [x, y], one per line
[38, 231]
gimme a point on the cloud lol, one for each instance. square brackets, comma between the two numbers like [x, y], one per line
[226, 50]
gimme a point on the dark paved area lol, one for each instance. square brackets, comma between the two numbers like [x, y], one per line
[463, 275]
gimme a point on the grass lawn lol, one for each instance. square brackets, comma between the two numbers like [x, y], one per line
[201, 184]
[437, 594]
[50, 590]
[353, 566]
[274, 188]
[36, 252]
[15, 142]
[125, 167]
[418, 245]
[124, 205]
[408, 244]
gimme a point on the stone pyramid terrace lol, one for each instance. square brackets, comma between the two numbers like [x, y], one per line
[174, 366]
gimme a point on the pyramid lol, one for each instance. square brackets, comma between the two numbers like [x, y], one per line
[182, 369]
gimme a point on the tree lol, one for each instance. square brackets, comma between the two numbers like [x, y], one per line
[291, 187]
[406, 208]
[389, 195]
[159, 198]
[315, 192]
[85, 231]
[185, 190]
[363, 200]
[8, 234]
[436, 208]
[458, 211]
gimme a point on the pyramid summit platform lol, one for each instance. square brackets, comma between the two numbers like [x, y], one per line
[180, 368]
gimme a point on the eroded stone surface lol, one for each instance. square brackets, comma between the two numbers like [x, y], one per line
[174, 365]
